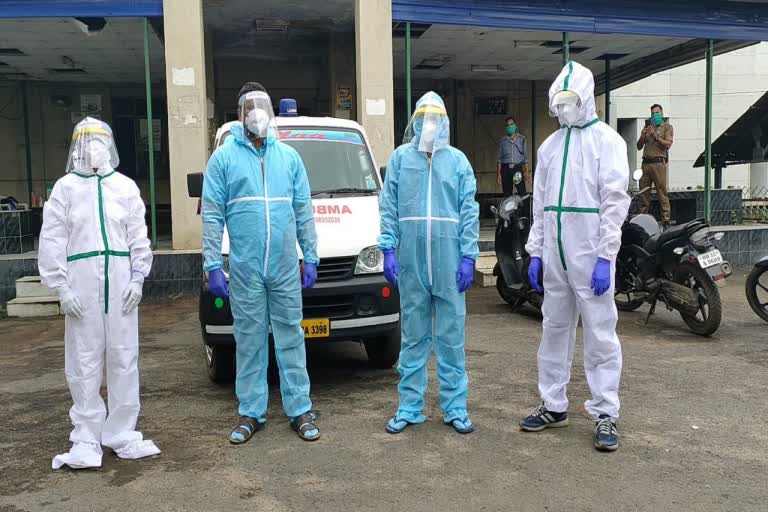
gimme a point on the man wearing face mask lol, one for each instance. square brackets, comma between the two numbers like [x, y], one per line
[429, 236]
[655, 141]
[513, 158]
[580, 202]
[258, 187]
[94, 253]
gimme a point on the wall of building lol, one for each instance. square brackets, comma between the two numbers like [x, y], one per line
[739, 79]
[478, 135]
[50, 127]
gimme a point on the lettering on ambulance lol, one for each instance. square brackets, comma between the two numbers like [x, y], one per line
[330, 213]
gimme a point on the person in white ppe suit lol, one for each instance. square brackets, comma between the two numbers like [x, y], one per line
[580, 203]
[94, 253]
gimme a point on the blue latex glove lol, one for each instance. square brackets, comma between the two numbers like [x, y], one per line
[601, 276]
[391, 268]
[534, 269]
[309, 277]
[466, 274]
[217, 282]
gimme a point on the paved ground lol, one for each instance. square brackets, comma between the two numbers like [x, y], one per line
[693, 427]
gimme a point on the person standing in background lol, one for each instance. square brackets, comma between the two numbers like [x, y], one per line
[655, 141]
[513, 157]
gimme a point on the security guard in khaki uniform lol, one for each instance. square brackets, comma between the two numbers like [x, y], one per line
[655, 141]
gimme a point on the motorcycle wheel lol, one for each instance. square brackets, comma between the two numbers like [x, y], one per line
[513, 300]
[632, 303]
[707, 320]
[751, 287]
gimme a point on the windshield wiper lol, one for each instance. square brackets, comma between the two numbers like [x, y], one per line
[345, 190]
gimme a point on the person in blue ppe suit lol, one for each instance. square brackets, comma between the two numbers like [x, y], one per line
[258, 187]
[429, 237]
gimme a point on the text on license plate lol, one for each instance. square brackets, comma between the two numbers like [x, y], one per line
[316, 328]
[710, 258]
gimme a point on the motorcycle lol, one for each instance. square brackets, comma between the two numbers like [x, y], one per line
[755, 288]
[511, 269]
[680, 267]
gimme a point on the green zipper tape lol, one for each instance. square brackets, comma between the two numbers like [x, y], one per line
[568, 76]
[568, 209]
[560, 201]
[571, 209]
[106, 252]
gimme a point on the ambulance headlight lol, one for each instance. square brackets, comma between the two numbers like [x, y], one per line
[370, 261]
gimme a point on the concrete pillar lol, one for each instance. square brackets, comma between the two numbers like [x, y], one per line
[375, 103]
[187, 112]
[758, 178]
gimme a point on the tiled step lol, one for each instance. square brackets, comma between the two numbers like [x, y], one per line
[484, 269]
[31, 286]
[31, 307]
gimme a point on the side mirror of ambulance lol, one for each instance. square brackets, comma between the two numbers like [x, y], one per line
[637, 174]
[195, 184]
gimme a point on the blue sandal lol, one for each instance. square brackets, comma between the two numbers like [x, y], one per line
[464, 426]
[245, 430]
[396, 425]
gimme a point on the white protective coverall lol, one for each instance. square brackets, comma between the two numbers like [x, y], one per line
[580, 203]
[94, 241]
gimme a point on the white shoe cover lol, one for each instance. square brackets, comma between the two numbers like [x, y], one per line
[81, 456]
[138, 450]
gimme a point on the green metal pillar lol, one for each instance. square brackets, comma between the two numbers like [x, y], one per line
[708, 135]
[27, 140]
[607, 91]
[150, 134]
[408, 69]
[566, 48]
[532, 156]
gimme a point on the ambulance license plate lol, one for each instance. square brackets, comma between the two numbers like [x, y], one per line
[317, 328]
[710, 258]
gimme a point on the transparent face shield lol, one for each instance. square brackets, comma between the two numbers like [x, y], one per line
[92, 148]
[257, 114]
[567, 106]
[429, 126]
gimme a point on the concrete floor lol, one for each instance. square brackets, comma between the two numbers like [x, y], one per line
[693, 427]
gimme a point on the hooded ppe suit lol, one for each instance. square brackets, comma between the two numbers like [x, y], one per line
[264, 200]
[580, 202]
[94, 243]
[429, 215]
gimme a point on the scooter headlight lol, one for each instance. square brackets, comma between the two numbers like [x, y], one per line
[370, 261]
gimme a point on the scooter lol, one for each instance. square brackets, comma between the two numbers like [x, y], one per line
[511, 270]
[680, 267]
[757, 291]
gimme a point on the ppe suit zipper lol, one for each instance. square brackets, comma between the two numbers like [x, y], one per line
[106, 252]
[429, 221]
[266, 207]
[560, 201]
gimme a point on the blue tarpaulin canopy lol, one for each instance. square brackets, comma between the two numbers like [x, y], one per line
[79, 8]
[702, 19]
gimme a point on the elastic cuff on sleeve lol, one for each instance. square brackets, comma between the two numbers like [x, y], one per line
[137, 277]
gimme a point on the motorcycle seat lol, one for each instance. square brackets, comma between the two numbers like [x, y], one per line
[670, 234]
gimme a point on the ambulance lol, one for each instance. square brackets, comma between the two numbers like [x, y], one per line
[351, 300]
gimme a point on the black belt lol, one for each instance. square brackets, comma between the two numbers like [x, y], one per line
[656, 160]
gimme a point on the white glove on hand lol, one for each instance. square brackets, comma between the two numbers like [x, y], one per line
[70, 305]
[132, 297]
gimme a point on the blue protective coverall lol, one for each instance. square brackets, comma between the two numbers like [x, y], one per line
[266, 205]
[430, 216]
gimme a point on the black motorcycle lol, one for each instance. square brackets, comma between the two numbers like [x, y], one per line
[680, 267]
[511, 270]
[757, 291]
